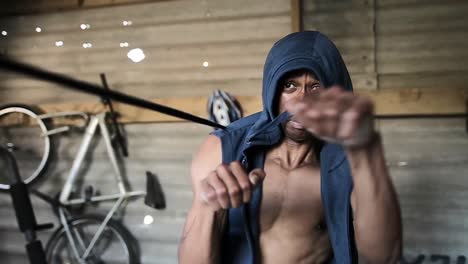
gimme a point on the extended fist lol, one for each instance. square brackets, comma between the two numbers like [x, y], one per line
[336, 116]
[229, 186]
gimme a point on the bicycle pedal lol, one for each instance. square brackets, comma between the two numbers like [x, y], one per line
[88, 193]
[154, 193]
[44, 226]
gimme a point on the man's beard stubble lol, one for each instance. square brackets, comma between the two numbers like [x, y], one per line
[303, 137]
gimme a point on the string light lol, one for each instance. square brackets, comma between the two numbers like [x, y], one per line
[4, 33]
[148, 220]
[59, 43]
[402, 163]
[87, 45]
[136, 55]
[85, 26]
[205, 64]
[38, 29]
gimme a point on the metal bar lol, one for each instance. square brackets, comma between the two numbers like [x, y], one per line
[56, 131]
[111, 152]
[102, 198]
[82, 86]
[67, 188]
[65, 225]
[101, 227]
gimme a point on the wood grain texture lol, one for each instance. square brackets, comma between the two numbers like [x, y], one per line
[177, 38]
[387, 102]
[410, 61]
[349, 24]
[422, 43]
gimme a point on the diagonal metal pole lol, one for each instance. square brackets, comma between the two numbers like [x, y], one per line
[82, 86]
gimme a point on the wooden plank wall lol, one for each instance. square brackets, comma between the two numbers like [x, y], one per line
[428, 162]
[396, 44]
[386, 44]
[177, 37]
[421, 44]
[21, 7]
[349, 24]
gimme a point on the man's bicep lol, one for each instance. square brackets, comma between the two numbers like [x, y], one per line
[208, 157]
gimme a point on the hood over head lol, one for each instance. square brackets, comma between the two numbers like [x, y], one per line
[309, 50]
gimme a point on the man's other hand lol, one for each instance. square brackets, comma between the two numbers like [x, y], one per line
[229, 186]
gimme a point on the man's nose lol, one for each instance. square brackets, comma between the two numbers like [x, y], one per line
[301, 94]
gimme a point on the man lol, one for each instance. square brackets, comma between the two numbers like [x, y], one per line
[303, 181]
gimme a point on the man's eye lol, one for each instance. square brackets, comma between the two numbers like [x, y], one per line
[314, 87]
[289, 85]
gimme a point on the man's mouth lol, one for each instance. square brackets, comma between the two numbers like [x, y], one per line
[296, 124]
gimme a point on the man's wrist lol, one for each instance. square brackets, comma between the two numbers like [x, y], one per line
[373, 139]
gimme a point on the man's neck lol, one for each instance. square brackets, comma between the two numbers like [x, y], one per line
[291, 154]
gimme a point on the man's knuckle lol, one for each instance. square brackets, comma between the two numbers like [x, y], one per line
[211, 197]
[212, 174]
[235, 191]
[352, 115]
[245, 186]
[222, 166]
[221, 191]
[332, 113]
[314, 115]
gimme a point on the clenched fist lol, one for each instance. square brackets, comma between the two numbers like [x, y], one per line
[229, 186]
[336, 116]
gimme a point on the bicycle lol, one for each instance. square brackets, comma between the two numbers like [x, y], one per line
[88, 238]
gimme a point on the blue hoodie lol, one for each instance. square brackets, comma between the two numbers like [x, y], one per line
[248, 139]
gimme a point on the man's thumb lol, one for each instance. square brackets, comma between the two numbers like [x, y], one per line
[256, 176]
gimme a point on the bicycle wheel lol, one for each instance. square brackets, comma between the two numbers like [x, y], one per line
[115, 244]
[25, 134]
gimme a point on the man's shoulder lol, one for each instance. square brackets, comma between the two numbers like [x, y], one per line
[238, 127]
[233, 136]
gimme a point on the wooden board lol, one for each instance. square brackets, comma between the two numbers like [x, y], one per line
[387, 101]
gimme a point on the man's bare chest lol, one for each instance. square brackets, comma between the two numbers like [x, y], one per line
[291, 197]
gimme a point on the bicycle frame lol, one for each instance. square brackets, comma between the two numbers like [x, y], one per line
[95, 121]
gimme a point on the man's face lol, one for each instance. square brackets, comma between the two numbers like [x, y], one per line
[294, 87]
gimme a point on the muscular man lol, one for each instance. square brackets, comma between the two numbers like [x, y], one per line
[303, 181]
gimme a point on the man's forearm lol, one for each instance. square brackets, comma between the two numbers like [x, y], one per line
[201, 239]
[377, 218]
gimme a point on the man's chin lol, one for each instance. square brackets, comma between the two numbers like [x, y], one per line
[297, 135]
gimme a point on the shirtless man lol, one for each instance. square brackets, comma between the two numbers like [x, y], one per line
[275, 187]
